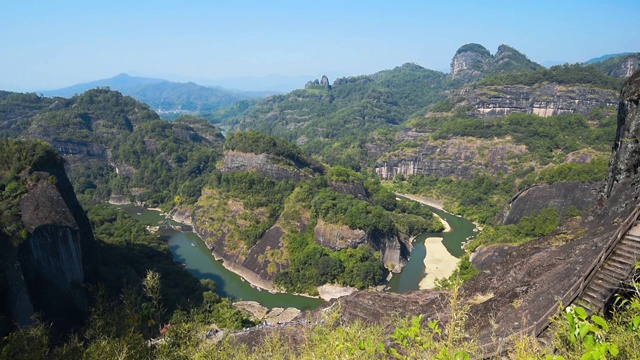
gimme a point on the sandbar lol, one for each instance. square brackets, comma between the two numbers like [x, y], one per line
[424, 200]
[444, 222]
[438, 262]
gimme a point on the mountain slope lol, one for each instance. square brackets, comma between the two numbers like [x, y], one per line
[335, 122]
[115, 145]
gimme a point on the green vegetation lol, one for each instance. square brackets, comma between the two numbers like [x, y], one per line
[259, 143]
[542, 136]
[18, 160]
[157, 160]
[473, 47]
[335, 125]
[610, 64]
[312, 265]
[528, 228]
[112, 330]
[561, 74]
[513, 61]
[246, 204]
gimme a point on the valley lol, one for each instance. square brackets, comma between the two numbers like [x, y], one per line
[303, 191]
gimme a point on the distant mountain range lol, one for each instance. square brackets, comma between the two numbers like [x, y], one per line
[165, 96]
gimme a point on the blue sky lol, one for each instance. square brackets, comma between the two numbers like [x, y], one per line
[52, 44]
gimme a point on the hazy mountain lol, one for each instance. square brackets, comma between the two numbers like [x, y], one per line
[165, 96]
[124, 83]
[605, 57]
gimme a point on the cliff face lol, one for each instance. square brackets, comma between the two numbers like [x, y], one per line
[559, 196]
[459, 157]
[625, 162]
[470, 62]
[545, 100]
[46, 272]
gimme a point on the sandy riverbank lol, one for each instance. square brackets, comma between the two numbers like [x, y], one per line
[444, 222]
[429, 202]
[438, 262]
[424, 200]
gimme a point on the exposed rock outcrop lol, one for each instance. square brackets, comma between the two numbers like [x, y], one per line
[49, 269]
[336, 237]
[470, 60]
[474, 60]
[628, 66]
[625, 162]
[458, 157]
[262, 163]
[545, 100]
[559, 196]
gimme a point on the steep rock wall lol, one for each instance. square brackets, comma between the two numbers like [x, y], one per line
[545, 100]
[559, 196]
[625, 162]
[458, 157]
[48, 270]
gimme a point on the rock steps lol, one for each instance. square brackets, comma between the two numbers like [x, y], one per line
[613, 274]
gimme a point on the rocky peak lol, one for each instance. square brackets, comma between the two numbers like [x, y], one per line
[325, 82]
[470, 60]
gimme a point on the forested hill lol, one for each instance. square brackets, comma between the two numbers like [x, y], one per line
[336, 121]
[353, 121]
[101, 133]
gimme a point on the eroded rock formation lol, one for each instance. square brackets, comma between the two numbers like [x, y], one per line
[546, 100]
[48, 271]
[458, 157]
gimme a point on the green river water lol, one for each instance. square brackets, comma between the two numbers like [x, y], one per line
[190, 250]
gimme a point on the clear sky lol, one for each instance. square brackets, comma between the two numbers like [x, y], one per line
[52, 44]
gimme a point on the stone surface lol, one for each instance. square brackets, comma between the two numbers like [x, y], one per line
[239, 161]
[336, 237]
[458, 157]
[545, 100]
[559, 196]
[625, 163]
[628, 66]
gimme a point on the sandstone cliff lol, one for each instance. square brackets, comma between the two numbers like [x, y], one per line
[545, 100]
[47, 271]
[458, 157]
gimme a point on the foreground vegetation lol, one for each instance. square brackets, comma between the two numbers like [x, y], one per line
[114, 332]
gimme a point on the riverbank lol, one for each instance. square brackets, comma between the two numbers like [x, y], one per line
[424, 200]
[447, 227]
[429, 202]
[438, 262]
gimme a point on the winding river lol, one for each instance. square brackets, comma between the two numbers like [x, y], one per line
[190, 250]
